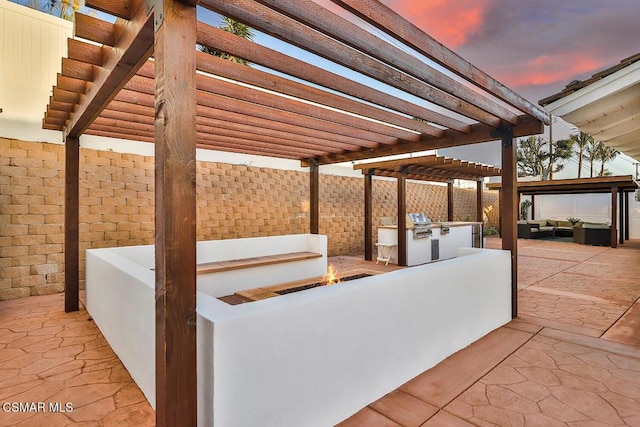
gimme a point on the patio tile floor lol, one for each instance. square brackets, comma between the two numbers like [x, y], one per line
[571, 359]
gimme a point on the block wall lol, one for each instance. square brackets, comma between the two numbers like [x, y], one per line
[233, 201]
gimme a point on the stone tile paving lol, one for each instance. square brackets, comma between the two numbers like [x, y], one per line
[53, 357]
[550, 382]
[611, 289]
[571, 310]
[570, 373]
[552, 378]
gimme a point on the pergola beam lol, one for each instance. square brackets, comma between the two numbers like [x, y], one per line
[450, 201]
[314, 198]
[272, 23]
[509, 209]
[175, 216]
[479, 133]
[402, 216]
[119, 8]
[249, 75]
[71, 223]
[368, 215]
[333, 25]
[290, 30]
[130, 52]
[384, 18]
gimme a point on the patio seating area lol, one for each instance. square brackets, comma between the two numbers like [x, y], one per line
[572, 357]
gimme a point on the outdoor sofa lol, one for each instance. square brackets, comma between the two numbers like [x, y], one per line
[537, 228]
[592, 234]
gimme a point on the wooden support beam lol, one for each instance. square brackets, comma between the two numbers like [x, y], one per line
[626, 215]
[71, 223]
[533, 206]
[94, 29]
[314, 197]
[175, 212]
[509, 208]
[479, 201]
[131, 51]
[478, 133]
[368, 214]
[623, 225]
[450, 201]
[119, 8]
[402, 216]
[614, 214]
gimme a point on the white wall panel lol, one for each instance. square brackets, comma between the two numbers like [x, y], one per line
[32, 45]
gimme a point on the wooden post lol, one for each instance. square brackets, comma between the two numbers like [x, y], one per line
[71, 223]
[314, 197]
[533, 206]
[519, 206]
[614, 225]
[175, 211]
[509, 208]
[402, 216]
[626, 215]
[368, 215]
[500, 212]
[450, 201]
[479, 212]
[623, 225]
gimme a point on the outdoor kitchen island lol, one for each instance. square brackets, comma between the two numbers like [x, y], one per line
[427, 242]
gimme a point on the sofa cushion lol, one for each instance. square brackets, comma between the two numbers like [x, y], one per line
[540, 222]
[546, 228]
[594, 225]
[552, 223]
[564, 224]
[522, 221]
[564, 228]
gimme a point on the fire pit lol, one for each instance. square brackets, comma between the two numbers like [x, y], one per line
[265, 292]
[316, 284]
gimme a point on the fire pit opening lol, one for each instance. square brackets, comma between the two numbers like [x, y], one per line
[331, 278]
[316, 284]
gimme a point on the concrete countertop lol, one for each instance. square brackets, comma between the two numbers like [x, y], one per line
[436, 224]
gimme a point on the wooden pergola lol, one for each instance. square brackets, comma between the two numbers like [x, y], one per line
[431, 168]
[286, 108]
[618, 186]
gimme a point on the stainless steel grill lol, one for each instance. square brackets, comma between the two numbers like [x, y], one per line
[422, 231]
[421, 225]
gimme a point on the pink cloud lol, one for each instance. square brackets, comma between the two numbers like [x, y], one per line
[546, 69]
[451, 23]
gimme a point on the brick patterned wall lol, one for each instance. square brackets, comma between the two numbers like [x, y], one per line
[117, 208]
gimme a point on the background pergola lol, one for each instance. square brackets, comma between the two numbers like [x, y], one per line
[423, 168]
[618, 186]
[183, 99]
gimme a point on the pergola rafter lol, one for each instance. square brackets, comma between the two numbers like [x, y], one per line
[282, 107]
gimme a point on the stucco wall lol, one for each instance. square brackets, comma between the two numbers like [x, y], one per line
[117, 207]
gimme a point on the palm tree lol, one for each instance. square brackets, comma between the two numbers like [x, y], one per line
[582, 141]
[591, 153]
[61, 8]
[233, 27]
[606, 154]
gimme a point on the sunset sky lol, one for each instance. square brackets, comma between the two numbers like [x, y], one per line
[535, 47]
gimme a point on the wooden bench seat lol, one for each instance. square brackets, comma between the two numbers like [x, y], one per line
[236, 264]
